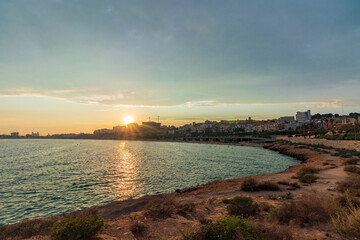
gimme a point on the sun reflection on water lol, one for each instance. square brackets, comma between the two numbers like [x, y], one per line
[126, 172]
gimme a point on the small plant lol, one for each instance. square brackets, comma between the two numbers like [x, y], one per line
[160, 207]
[184, 209]
[265, 206]
[351, 161]
[287, 196]
[138, 229]
[249, 185]
[352, 184]
[242, 206]
[268, 186]
[352, 169]
[307, 170]
[347, 220]
[235, 227]
[295, 185]
[308, 178]
[252, 185]
[272, 197]
[78, 228]
[226, 201]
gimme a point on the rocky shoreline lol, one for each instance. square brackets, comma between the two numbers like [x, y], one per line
[206, 201]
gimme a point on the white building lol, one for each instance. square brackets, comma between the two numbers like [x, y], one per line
[303, 116]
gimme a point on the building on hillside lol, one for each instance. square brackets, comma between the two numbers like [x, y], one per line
[287, 119]
[303, 116]
[151, 124]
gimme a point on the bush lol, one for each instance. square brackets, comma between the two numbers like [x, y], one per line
[308, 178]
[351, 184]
[268, 186]
[295, 185]
[352, 169]
[242, 206]
[351, 161]
[249, 185]
[78, 228]
[184, 209]
[252, 185]
[311, 208]
[160, 207]
[307, 170]
[138, 229]
[265, 206]
[235, 227]
[347, 219]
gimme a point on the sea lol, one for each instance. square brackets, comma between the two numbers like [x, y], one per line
[45, 177]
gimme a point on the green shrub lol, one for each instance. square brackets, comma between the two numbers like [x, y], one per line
[252, 185]
[265, 206]
[249, 185]
[287, 196]
[272, 196]
[295, 185]
[351, 161]
[235, 227]
[160, 207]
[307, 170]
[353, 169]
[226, 201]
[242, 206]
[78, 228]
[308, 178]
[351, 184]
[184, 209]
[268, 186]
[310, 208]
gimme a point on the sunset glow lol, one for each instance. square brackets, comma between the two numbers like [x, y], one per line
[128, 120]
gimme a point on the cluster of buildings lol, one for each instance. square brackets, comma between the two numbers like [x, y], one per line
[155, 129]
[247, 126]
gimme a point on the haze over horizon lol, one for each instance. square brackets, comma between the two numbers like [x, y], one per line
[75, 66]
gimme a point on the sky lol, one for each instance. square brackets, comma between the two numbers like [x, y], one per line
[80, 65]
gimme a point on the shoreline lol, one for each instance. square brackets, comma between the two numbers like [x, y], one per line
[115, 211]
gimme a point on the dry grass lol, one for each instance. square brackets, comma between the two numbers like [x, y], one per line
[310, 209]
[351, 184]
[252, 185]
[346, 221]
[242, 206]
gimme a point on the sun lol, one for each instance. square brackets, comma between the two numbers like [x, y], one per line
[128, 120]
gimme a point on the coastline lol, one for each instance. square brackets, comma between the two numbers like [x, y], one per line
[121, 213]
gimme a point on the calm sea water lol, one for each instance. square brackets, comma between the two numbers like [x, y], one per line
[41, 178]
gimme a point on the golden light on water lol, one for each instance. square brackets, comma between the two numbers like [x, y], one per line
[128, 120]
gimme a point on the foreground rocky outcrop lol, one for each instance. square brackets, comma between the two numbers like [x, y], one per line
[293, 204]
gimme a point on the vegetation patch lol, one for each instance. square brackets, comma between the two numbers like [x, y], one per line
[352, 169]
[351, 184]
[306, 175]
[351, 161]
[160, 208]
[236, 227]
[78, 228]
[242, 206]
[252, 185]
[308, 178]
[310, 209]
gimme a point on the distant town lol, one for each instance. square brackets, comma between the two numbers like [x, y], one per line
[304, 124]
